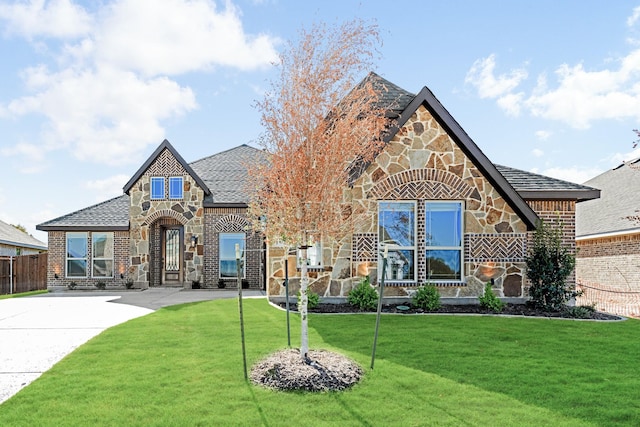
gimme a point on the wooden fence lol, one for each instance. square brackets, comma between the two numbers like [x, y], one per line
[29, 273]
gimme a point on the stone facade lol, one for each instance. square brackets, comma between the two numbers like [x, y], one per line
[422, 163]
[149, 217]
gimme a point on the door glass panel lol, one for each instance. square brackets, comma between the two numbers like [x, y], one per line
[172, 250]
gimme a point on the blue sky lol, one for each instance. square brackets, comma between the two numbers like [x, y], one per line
[89, 89]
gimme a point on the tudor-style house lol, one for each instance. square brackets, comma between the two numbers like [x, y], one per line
[445, 212]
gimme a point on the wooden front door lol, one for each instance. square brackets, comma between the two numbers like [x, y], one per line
[172, 243]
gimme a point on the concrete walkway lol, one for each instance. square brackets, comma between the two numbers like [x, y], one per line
[37, 332]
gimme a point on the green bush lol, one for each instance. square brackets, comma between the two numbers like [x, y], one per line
[427, 298]
[490, 301]
[313, 299]
[581, 311]
[128, 284]
[549, 264]
[72, 286]
[363, 296]
[101, 285]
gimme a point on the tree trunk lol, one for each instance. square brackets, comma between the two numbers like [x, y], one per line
[302, 305]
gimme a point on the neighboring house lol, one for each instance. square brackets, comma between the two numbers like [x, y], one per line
[449, 216]
[608, 231]
[14, 242]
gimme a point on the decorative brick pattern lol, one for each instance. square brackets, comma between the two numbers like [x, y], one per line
[506, 247]
[431, 184]
[365, 247]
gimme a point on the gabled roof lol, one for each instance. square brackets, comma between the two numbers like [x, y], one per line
[426, 98]
[620, 199]
[110, 215]
[165, 146]
[391, 96]
[226, 175]
[10, 235]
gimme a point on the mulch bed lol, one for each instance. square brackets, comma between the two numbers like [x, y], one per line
[509, 309]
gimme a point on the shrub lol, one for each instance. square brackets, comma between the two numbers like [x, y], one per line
[490, 301]
[221, 283]
[71, 286]
[313, 299]
[427, 298]
[101, 285]
[128, 284]
[363, 296]
[581, 311]
[549, 264]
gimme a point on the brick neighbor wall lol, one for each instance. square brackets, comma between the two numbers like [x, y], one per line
[610, 262]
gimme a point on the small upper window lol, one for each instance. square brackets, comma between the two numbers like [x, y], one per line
[157, 188]
[175, 187]
[314, 255]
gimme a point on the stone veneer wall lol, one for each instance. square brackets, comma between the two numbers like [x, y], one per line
[610, 262]
[57, 261]
[144, 214]
[231, 220]
[421, 163]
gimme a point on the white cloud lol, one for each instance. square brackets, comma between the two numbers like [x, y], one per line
[635, 16]
[178, 36]
[107, 188]
[56, 18]
[34, 157]
[110, 92]
[572, 174]
[481, 75]
[537, 152]
[543, 135]
[581, 96]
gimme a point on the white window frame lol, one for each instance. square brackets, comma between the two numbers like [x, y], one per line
[172, 195]
[445, 248]
[243, 252]
[76, 234]
[392, 247]
[164, 190]
[110, 238]
[314, 253]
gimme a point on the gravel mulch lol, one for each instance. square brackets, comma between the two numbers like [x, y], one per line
[323, 370]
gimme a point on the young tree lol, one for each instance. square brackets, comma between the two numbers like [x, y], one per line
[317, 122]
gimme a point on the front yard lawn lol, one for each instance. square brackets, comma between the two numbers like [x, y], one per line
[182, 365]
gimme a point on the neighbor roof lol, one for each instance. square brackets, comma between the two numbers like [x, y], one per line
[620, 199]
[110, 215]
[10, 235]
[226, 175]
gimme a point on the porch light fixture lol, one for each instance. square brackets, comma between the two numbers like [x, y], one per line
[194, 241]
[55, 276]
[121, 275]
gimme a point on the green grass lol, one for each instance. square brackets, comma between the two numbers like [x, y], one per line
[23, 294]
[182, 366]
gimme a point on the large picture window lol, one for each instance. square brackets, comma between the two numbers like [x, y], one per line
[228, 266]
[76, 255]
[443, 235]
[175, 187]
[397, 230]
[102, 255]
[157, 188]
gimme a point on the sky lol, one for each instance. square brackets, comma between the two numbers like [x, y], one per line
[89, 89]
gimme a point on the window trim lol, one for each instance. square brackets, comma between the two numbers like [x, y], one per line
[158, 179]
[244, 256]
[174, 196]
[68, 258]
[460, 248]
[94, 258]
[317, 244]
[391, 247]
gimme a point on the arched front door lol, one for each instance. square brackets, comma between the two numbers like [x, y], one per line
[172, 263]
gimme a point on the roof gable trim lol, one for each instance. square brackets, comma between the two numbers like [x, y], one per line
[165, 145]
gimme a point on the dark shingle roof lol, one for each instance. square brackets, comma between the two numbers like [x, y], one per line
[533, 186]
[226, 176]
[620, 199]
[110, 215]
[391, 95]
[9, 235]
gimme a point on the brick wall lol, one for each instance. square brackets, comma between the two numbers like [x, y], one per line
[57, 261]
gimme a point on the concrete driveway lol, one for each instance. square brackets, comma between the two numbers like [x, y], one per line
[37, 332]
